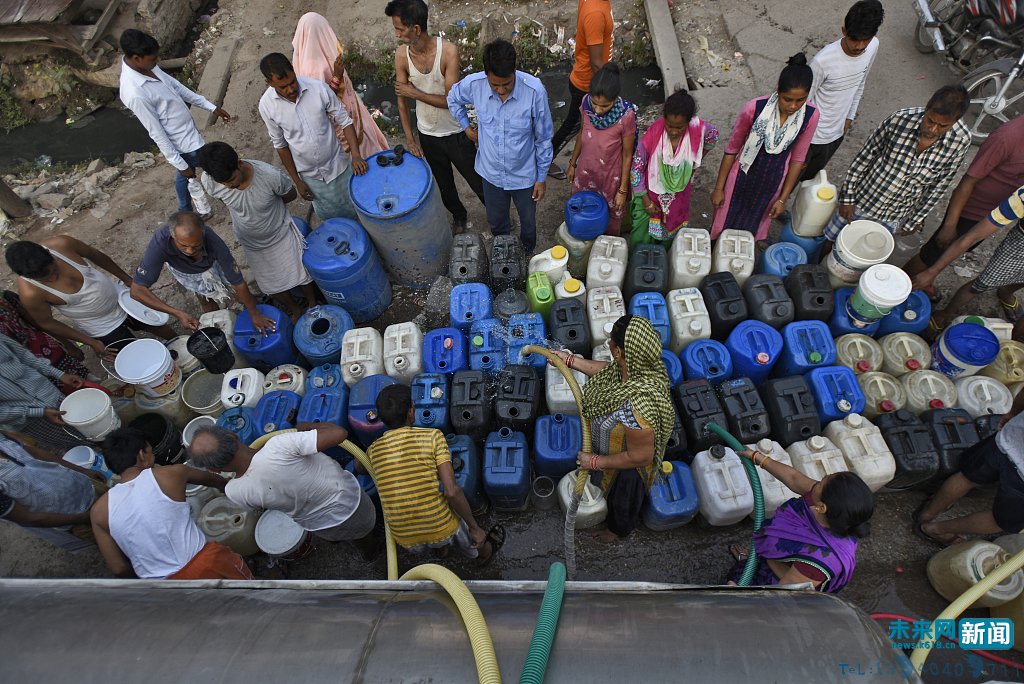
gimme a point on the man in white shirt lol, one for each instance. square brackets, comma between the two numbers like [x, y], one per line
[161, 103]
[840, 71]
[301, 114]
[291, 474]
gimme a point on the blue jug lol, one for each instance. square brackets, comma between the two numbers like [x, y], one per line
[341, 259]
[524, 330]
[265, 352]
[364, 480]
[466, 464]
[841, 323]
[672, 500]
[911, 316]
[319, 331]
[507, 470]
[806, 345]
[755, 347]
[487, 347]
[242, 421]
[586, 215]
[836, 391]
[444, 351]
[652, 306]
[277, 410]
[707, 359]
[470, 302]
[673, 367]
[556, 443]
[780, 258]
[430, 401]
[325, 377]
[811, 246]
[362, 409]
[327, 406]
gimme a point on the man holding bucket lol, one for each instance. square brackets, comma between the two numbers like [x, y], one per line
[906, 165]
[201, 263]
[290, 473]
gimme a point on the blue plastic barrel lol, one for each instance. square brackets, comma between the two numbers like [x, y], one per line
[911, 316]
[341, 259]
[364, 480]
[445, 351]
[586, 215]
[362, 408]
[301, 225]
[755, 347]
[470, 302]
[327, 406]
[672, 500]
[523, 330]
[430, 401]
[325, 377]
[468, 475]
[652, 306]
[507, 470]
[779, 259]
[242, 421]
[673, 367]
[277, 410]
[811, 246]
[487, 346]
[836, 392]
[270, 351]
[806, 345]
[842, 324]
[964, 349]
[400, 206]
[706, 358]
[557, 440]
[319, 331]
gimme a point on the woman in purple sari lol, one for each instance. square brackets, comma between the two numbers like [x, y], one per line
[812, 538]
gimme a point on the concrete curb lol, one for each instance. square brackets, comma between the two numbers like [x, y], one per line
[216, 76]
[666, 45]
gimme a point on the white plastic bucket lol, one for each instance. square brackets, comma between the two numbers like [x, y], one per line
[880, 288]
[860, 245]
[193, 425]
[147, 363]
[91, 412]
[86, 457]
[279, 536]
[201, 393]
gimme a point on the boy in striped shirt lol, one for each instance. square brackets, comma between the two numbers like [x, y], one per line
[408, 463]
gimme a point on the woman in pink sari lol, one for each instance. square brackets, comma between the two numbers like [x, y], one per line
[663, 166]
[316, 53]
[604, 146]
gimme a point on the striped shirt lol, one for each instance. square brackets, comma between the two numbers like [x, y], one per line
[1010, 210]
[25, 385]
[891, 182]
[405, 462]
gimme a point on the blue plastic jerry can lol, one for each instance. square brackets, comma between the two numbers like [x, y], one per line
[556, 443]
[470, 302]
[652, 306]
[706, 358]
[445, 351]
[755, 348]
[672, 500]
[430, 401]
[524, 330]
[487, 346]
[467, 467]
[507, 470]
[836, 392]
[806, 345]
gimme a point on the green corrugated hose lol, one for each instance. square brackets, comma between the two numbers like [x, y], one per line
[547, 624]
[750, 569]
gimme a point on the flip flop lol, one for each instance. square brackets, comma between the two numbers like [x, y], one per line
[556, 172]
[1013, 310]
[739, 553]
[496, 538]
[919, 531]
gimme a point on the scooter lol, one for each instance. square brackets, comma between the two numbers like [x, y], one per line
[997, 95]
[970, 32]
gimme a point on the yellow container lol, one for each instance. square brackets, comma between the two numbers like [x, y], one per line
[1008, 368]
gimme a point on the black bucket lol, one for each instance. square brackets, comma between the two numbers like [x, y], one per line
[211, 347]
[162, 435]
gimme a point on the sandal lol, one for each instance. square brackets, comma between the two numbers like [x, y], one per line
[1013, 310]
[556, 172]
[496, 539]
[739, 553]
[919, 531]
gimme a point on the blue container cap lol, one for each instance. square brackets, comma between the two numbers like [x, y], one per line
[590, 206]
[973, 343]
[336, 243]
[388, 192]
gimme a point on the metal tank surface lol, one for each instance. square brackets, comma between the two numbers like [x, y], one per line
[165, 632]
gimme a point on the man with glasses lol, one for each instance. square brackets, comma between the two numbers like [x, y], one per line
[201, 263]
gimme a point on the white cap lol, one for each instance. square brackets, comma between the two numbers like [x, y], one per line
[817, 442]
[885, 285]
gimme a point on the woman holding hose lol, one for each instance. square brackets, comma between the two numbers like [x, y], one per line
[628, 404]
[812, 538]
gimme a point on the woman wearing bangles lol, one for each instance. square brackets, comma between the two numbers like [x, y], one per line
[628, 404]
[812, 538]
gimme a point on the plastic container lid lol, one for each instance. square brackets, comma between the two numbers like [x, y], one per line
[863, 365]
[844, 406]
[667, 467]
[826, 194]
[572, 285]
[910, 315]
[478, 340]
[559, 252]
[913, 364]
[277, 533]
[885, 285]
[762, 358]
[975, 344]
[817, 442]
[140, 311]
[388, 192]
[814, 357]
[886, 406]
[853, 420]
[936, 404]
[696, 327]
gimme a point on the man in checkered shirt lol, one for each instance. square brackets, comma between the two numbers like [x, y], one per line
[906, 165]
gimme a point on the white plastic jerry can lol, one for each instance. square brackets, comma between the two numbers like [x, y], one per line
[882, 393]
[551, 262]
[559, 397]
[602, 352]
[958, 567]
[571, 288]
[928, 389]
[773, 491]
[1008, 368]
[817, 457]
[1003, 330]
[904, 352]
[725, 494]
[579, 250]
[242, 387]
[689, 258]
[864, 450]
[607, 265]
[593, 506]
[980, 395]
[814, 205]
[859, 353]
[689, 317]
[734, 252]
[362, 354]
[403, 351]
[288, 377]
[604, 306]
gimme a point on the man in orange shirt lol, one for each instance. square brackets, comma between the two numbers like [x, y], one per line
[594, 24]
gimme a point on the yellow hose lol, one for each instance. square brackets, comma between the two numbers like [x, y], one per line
[479, 636]
[965, 600]
[472, 618]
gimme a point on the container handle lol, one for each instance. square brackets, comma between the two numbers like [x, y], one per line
[342, 248]
[109, 370]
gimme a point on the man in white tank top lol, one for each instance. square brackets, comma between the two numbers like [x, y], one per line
[61, 272]
[144, 527]
[426, 68]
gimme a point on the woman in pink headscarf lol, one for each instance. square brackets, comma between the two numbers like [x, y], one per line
[316, 53]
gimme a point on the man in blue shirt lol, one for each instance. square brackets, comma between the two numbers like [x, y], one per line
[513, 138]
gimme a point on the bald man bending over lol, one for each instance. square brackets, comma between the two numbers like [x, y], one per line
[201, 263]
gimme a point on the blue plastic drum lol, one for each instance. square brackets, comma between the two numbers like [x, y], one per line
[341, 259]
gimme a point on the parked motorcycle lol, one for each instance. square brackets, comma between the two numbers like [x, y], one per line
[970, 32]
[997, 95]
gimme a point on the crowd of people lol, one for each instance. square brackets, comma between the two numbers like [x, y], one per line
[495, 128]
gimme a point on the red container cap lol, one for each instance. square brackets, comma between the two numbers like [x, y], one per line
[762, 358]
[936, 403]
[449, 343]
[913, 364]
[863, 366]
[886, 406]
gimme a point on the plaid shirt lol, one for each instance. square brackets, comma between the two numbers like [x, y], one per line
[891, 182]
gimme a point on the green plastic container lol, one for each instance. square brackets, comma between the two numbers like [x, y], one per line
[540, 293]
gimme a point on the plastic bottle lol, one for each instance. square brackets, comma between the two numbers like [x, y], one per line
[525, 330]
[725, 303]
[487, 345]
[469, 262]
[607, 265]
[508, 267]
[471, 409]
[540, 292]
[689, 258]
[646, 271]
[652, 306]
[734, 252]
[570, 288]
[593, 507]
[911, 316]
[569, 327]
[927, 389]
[781, 258]
[672, 500]
[362, 354]
[697, 404]
[755, 347]
[836, 392]
[470, 302]
[980, 395]
[817, 457]
[911, 445]
[859, 353]
[748, 420]
[806, 345]
[224, 521]
[903, 353]
[882, 393]
[689, 317]
[445, 350]
[811, 291]
[509, 303]
[1008, 368]
[953, 431]
[814, 205]
[403, 351]
[791, 411]
[864, 449]
[241, 387]
[552, 262]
